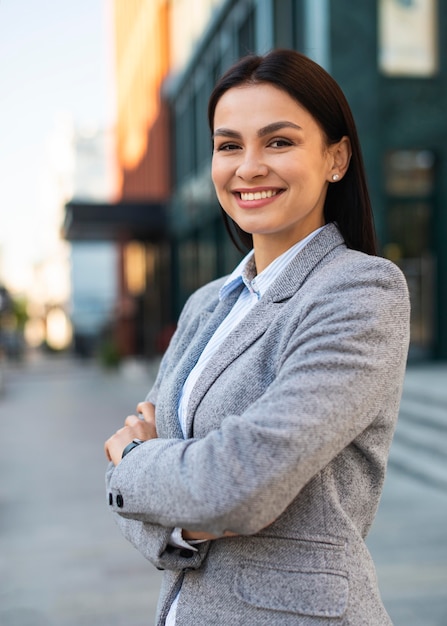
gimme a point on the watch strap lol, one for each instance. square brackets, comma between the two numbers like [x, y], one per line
[130, 446]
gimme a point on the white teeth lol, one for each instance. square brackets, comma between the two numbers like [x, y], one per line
[258, 195]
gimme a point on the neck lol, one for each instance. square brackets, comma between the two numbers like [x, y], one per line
[269, 247]
[266, 250]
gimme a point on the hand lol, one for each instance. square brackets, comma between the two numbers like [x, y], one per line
[134, 428]
[191, 535]
[194, 535]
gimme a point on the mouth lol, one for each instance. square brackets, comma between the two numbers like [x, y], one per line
[256, 195]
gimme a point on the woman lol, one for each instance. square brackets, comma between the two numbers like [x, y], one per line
[275, 405]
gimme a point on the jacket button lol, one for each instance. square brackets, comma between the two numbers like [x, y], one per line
[110, 499]
[119, 501]
[186, 554]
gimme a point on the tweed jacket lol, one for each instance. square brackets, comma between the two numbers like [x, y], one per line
[288, 437]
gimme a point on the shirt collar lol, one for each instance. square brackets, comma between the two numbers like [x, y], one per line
[257, 284]
[244, 272]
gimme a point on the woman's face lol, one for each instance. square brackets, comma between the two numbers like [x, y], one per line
[271, 165]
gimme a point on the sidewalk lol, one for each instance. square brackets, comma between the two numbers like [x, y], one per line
[64, 563]
[409, 538]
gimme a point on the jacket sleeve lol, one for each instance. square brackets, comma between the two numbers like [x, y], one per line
[346, 355]
[152, 540]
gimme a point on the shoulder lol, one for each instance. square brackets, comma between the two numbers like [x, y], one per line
[333, 261]
[357, 286]
[357, 306]
[351, 267]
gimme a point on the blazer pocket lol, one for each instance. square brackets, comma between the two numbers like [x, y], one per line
[304, 592]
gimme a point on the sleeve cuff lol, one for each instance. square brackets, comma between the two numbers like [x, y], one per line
[176, 540]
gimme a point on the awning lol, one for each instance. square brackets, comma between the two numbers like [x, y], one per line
[90, 221]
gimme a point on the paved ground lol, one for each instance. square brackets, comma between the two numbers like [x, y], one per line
[409, 538]
[64, 563]
[62, 560]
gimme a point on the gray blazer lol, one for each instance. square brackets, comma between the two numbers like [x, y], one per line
[288, 438]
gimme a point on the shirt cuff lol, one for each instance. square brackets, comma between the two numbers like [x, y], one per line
[176, 540]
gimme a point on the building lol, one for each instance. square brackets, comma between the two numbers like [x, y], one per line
[134, 220]
[390, 57]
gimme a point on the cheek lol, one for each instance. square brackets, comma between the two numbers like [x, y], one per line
[218, 173]
[217, 183]
[214, 170]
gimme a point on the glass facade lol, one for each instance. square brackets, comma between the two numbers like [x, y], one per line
[202, 249]
[410, 186]
[401, 123]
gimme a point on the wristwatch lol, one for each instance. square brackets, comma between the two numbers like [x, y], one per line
[130, 446]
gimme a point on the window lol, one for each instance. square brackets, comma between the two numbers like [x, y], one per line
[409, 184]
[408, 37]
[288, 21]
[246, 41]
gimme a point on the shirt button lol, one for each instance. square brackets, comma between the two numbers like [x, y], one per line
[119, 501]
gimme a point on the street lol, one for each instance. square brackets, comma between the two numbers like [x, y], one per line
[63, 561]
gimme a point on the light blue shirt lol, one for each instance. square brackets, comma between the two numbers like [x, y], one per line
[256, 286]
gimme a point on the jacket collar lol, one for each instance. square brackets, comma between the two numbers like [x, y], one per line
[293, 276]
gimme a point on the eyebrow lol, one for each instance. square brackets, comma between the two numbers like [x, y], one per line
[262, 132]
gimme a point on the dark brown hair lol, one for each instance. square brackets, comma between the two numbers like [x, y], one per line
[347, 202]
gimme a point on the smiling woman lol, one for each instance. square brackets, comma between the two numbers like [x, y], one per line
[272, 167]
[256, 471]
[313, 89]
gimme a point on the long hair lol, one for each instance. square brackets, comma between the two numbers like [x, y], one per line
[347, 202]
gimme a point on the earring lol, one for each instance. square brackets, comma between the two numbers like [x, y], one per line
[335, 177]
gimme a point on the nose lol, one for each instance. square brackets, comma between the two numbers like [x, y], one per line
[251, 166]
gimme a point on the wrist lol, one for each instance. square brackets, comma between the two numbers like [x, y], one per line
[130, 446]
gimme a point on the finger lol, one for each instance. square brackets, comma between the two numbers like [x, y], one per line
[106, 450]
[147, 409]
[132, 420]
[115, 445]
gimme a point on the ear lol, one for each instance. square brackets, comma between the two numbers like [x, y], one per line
[341, 156]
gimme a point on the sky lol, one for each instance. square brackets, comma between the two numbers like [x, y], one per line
[56, 64]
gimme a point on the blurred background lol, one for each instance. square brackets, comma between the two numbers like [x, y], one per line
[108, 221]
[107, 217]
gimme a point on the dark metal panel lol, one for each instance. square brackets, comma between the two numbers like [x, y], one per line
[88, 221]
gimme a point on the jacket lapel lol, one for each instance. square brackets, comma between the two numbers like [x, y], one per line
[304, 263]
[260, 317]
[247, 331]
[209, 322]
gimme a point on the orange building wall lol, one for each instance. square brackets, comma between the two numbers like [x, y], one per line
[142, 139]
[142, 62]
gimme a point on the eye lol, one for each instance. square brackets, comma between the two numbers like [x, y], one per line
[227, 147]
[280, 142]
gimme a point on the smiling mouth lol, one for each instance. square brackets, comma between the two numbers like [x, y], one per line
[258, 195]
